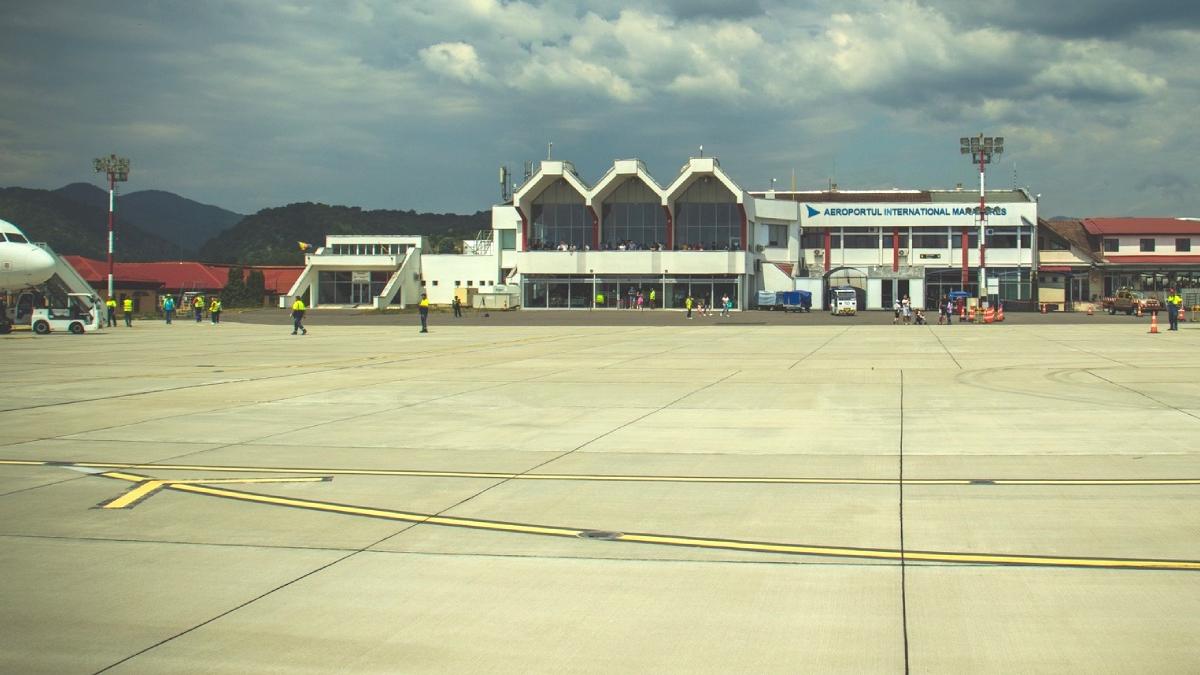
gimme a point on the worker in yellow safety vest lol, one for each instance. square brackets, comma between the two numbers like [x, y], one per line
[214, 310]
[423, 310]
[298, 317]
[127, 306]
[198, 308]
[1174, 302]
[111, 304]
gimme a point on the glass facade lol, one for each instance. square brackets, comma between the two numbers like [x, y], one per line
[707, 217]
[633, 216]
[613, 292]
[350, 288]
[366, 249]
[559, 218]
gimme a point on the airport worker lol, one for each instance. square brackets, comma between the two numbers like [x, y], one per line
[111, 304]
[457, 304]
[198, 307]
[169, 308]
[127, 306]
[600, 299]
[214, 310]
[1174, 302]
[423, 310]
[298, 317]
[653, 297]
[688, 304]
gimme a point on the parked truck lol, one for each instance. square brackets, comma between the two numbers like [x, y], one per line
[1130, 301]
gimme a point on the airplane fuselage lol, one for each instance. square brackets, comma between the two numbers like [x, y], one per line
[22, 263]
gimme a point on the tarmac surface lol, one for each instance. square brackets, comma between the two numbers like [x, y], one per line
[549, 493]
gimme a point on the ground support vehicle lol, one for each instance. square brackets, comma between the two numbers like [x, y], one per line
[1129, 302]
[843, 301]
[77, 319]
[795, 301]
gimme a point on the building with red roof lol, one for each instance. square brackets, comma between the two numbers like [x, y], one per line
[1083, 260]
[148, 282]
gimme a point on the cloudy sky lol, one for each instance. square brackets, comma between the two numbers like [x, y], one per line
[248, 104]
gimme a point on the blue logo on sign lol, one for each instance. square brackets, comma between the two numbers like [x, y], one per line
[811, 211]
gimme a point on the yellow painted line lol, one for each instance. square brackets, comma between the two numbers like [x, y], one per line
[134, 495]
[22, 462]
[148, 486]
[695, 542]
[655, 479]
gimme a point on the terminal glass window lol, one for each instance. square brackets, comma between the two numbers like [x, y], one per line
[972, 238]
[860, 237]
[813, 239]
[1147, 245]
[1014, 284]
[559, 217]
[707, 217]
[926, 239]
[633, 214]
[508, 240]
[777, 235]
[887, 239]
[1111, 245]
[1002, 237]
[1183, 245]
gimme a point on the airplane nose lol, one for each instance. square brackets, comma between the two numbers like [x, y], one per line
[39, 262]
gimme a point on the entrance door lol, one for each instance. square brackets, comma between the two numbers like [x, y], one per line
[360, 293]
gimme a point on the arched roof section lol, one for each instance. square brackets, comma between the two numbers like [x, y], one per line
[697, 168]
[622, 171]
[548, 173]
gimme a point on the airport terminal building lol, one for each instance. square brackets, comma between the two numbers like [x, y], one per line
[561, 243]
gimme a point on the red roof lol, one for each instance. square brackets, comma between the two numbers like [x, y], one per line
[1153, 259]
[181, 275]
[1141, 226]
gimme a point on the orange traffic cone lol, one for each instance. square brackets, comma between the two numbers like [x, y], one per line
[971, 314]
[1139, 309]
[1000, 313]
[989, 315]
[1182, 316]
[962, 312]
[1153, 323]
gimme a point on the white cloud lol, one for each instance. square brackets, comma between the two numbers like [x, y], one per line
[457, 60]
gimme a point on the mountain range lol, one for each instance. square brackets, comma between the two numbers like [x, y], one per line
[156, 225]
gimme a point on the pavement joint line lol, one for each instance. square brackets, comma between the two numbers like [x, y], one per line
[967, 558]
[768, 480]
[938, 337]
[821, 346]
[1143, 394]
[903, 560]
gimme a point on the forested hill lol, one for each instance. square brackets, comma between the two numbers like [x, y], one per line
[177, 219]
[71, 228]
[269, 237]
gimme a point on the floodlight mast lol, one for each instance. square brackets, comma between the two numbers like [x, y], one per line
[117, 169]
[981, 149]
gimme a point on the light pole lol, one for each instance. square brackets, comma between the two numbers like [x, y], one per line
[117, 169]
[980, 148]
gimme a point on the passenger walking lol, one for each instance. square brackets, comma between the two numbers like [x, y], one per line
[127, 307]
[895, 312]
[1174, 302]
[688, 304]
[111, 304]
[423, 310]
[906, 310]
[641, 300]
[214, 310]
[169, 308]
[198, 307]
[949, 311]
[457, 305]
[298, 317]
[725, 305]
[630, 295]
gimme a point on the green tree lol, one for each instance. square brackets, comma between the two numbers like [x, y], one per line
[234, 294]
[256, 288]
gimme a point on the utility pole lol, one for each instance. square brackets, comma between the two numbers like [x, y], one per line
[117, 169]
[981, 149]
